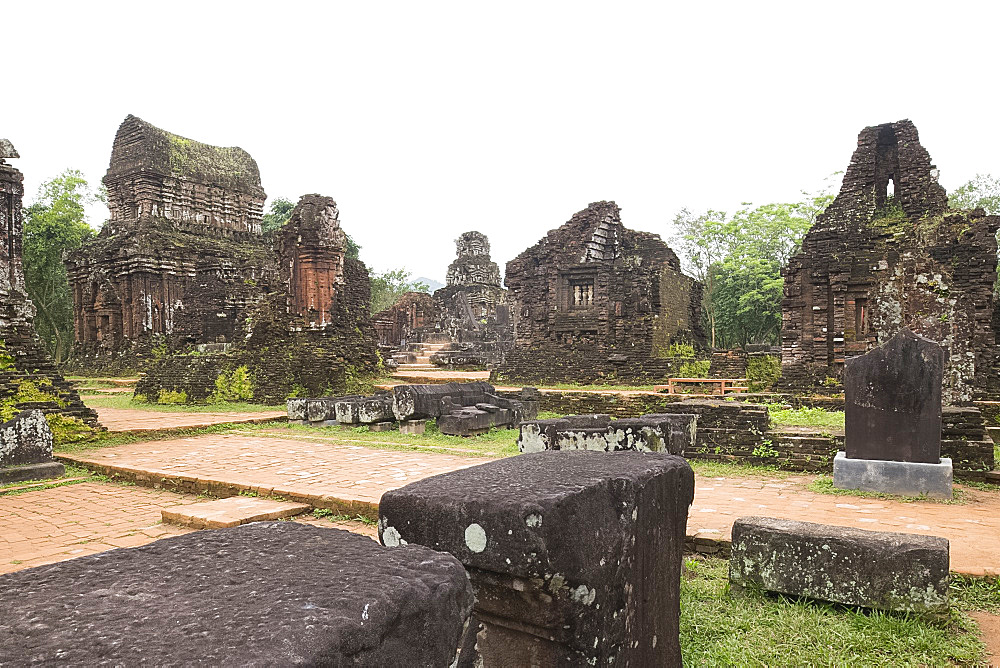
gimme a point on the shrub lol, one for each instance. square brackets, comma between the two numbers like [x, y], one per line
[67, 429]
[695, 369]
[680, 350]
[763, 371]
[172, 397]
[235, 385]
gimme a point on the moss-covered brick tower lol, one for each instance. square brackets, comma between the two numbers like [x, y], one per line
[181, 283]
[28, 378]
[889, 253]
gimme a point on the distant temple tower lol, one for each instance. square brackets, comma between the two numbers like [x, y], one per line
[888, 253]
[312, 247]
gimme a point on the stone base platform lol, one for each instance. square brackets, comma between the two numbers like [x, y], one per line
[42, 471]
[888, 477]
[231, 512]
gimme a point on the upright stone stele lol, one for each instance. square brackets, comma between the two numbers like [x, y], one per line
[892, 409]
[574, 556]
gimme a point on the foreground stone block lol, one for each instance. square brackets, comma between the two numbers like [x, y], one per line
[871, 569]
[273, 593]
[574, 556]
[26, 449]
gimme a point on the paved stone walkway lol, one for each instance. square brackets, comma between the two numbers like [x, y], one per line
[972, 527]
[276, 466]
[126, 419]
[318, 471]
[48, 525]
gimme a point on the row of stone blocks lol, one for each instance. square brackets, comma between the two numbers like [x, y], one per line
[554, 558]
[461, 409]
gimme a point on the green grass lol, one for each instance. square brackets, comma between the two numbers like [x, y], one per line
[334, 517]
[975, 593]
[765, 630]
[71, 471]
[823, 484]
[712, 469]
[126, 402]
[782, 416]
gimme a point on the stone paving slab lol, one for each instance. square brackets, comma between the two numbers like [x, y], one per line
[127, 419]
[348, 478]
[231, 512]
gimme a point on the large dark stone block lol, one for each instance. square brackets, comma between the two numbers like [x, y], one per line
[264, 594]
[574, 556]
[893, 401]
[872, 569]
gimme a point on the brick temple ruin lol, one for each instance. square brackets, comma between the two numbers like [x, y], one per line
[181, 257]
[28, 377]
[889, 253]
[181, 275]
[470, 313]
[595, 300]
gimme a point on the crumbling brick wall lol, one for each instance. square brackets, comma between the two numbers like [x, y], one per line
[312, 336]
[596, 301]
[879, 259]
[28, 377]
[406, 320]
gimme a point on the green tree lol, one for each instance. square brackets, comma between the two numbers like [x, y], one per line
[389, 286]
[281, 211]
[54, 224]
[739, 258]
[275, 219]
[981, 192]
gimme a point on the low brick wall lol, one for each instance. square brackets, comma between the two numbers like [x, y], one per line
[739, 431]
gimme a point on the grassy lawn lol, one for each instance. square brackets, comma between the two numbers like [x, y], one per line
[767, 630]
[805, 417]
[126, 402]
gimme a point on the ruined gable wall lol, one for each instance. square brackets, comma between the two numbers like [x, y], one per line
[874, 263]
[631, 285]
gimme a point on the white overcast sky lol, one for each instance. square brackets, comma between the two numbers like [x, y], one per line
[427, 119]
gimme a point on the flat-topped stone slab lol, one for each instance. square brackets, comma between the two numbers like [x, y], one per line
[575, 556]
[871, 569]
[264, 594]
[231, 512]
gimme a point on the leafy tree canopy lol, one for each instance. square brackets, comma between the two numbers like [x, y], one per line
[739, 257]
[389, 286]
[981, 192]
[54, 224]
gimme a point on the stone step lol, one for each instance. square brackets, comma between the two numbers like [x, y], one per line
[994, 433]
[230, 512]
[416, 367]
[993, 476]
